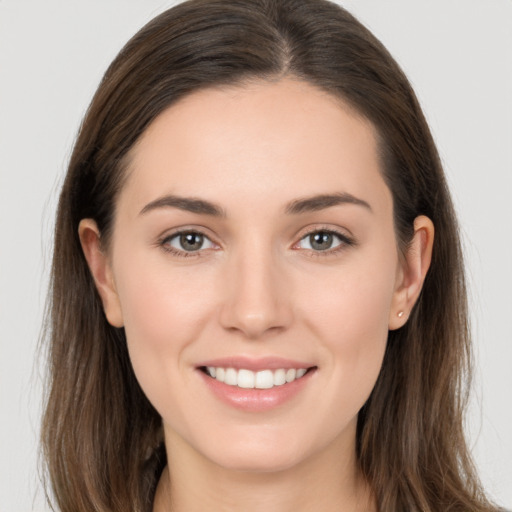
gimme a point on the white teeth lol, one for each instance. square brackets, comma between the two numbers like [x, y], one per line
[264, 379]
[231, 377]
[245, 379]
[279, 377]
[219, 374]
[290, 374]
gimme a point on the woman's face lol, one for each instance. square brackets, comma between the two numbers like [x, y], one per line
[254, 240]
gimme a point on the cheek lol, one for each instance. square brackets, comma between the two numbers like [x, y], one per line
[351, 317]
[164, 311]
[162, 304]
[352, 303]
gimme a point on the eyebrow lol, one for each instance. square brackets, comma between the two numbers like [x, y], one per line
[189, 204]
[298, 206]
[322, 201]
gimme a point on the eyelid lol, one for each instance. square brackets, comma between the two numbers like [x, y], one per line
[163, 241]
[346, 240]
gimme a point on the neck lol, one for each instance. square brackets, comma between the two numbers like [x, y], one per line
[329, 481]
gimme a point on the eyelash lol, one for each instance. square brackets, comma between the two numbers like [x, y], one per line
[345, 242]
[164, 243]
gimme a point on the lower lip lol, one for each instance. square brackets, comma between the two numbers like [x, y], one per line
[256, 400]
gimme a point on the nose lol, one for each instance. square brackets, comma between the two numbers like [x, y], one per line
[256, 298]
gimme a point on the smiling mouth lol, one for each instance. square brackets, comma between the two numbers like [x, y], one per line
[263, 379]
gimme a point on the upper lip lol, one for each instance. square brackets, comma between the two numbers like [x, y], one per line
[255, 364]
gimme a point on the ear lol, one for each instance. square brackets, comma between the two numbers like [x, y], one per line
[101, 271]
[412, 271]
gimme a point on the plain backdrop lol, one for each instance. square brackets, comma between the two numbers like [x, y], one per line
[458, 56]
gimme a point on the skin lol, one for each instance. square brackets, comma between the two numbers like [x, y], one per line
[258, 288]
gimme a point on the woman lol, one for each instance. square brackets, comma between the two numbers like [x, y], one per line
[258, 299]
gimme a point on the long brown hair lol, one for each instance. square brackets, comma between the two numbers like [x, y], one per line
[101, 437]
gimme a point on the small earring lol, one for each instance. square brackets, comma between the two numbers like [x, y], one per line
[400, 314]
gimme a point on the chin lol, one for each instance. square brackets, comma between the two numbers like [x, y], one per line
[258, 462]
[259, 454]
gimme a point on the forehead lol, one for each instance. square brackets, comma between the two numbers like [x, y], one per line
[271, 141]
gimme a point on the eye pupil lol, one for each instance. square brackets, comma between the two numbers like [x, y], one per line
[191, 241]
[321, 241]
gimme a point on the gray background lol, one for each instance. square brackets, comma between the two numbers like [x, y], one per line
[457, 54]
